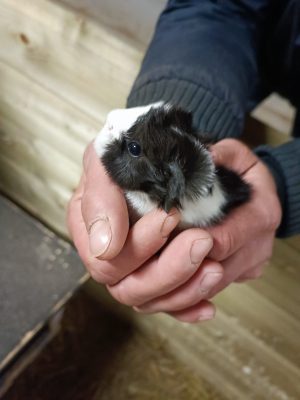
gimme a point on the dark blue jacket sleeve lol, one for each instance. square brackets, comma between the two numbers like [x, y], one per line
[205, 56]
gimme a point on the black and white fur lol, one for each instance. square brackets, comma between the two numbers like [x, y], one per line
[174, 167]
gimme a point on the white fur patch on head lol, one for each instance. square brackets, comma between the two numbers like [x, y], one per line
[117, 122]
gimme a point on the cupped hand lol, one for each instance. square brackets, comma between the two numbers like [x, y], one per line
[243, 242]
[188, 270]
[99, 226]
[137, 264]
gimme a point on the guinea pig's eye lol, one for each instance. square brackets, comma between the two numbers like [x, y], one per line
[134, 149]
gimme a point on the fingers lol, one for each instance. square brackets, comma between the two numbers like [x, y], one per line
[78, 230]
[104, 210]
[203, 311]
[181, 278]
[233, 233]
[144, 239]
[247, 263]
[262, 214]
[213, 277]
[189, 294]
[177, 263]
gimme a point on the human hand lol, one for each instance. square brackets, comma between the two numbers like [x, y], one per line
[99, 226]
[243, 243]
[126, 260]
[172, 282]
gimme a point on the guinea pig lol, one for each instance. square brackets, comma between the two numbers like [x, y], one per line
[160, 160]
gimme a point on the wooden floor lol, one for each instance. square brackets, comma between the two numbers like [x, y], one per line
[106, 351]
[99, 355]
[63, 73]
[252, 348]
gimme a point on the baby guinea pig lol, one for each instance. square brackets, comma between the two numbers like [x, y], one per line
[156, 156]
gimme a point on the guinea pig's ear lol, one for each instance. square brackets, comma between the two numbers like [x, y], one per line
[181, 118]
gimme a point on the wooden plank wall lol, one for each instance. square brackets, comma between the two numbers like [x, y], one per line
[133, 18]
[60, 73]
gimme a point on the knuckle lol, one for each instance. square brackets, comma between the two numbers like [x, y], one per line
[124, 296]
[95, 275]
[223, 245]
[99, 275]
[179, 275]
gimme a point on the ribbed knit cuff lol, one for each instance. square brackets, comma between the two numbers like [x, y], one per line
[284, 164]
[210, 114]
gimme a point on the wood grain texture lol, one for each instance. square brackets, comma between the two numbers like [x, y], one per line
[134, 18]
[276, 113]
[60, 73]
[252, 349]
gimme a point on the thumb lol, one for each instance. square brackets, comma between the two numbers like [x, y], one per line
[234, 155]
[104, 209]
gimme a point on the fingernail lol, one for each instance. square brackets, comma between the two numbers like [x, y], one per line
[169, 224]
[199, 249]
[209, 280]
[100, 237]
[206, 316]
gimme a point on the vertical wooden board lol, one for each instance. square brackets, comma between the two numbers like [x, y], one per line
[277, 113]
[86, 65]
[45, 114]
[134, 18]
[42, 140]
[61, 77]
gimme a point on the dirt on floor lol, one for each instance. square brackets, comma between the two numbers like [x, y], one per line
[97, 355]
